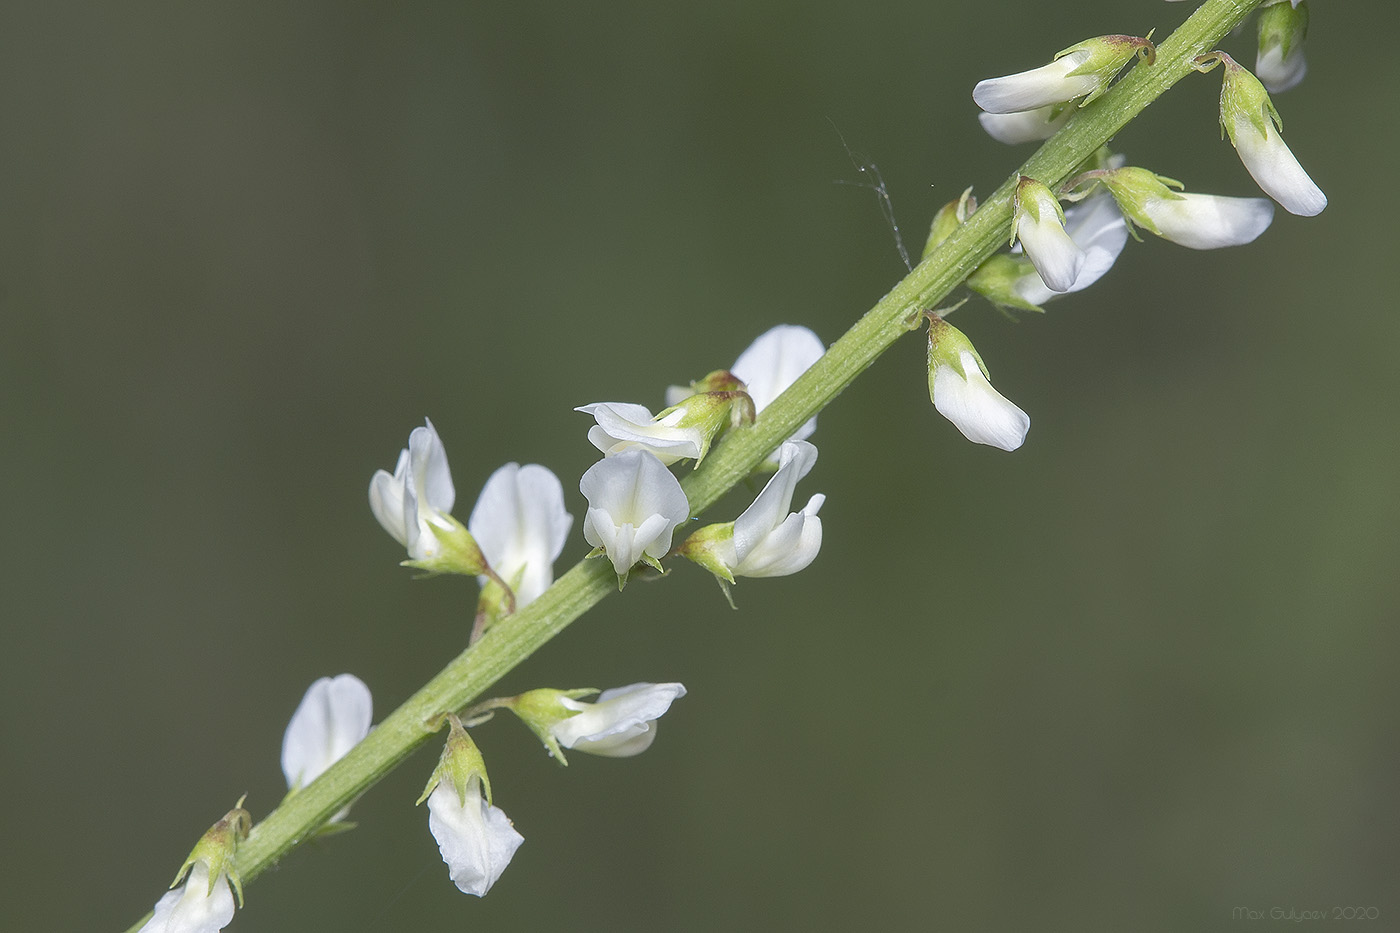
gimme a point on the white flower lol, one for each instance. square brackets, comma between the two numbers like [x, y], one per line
[1054, 83]
[1039, 225]
[195, 906]
[475, 838]
[520, 524]
[770, 541]
[620, 723]
[1269, 160]
[1097, 227]
[624, 426]
[331, 719]
[980, 412]
[1197, 221]
[419, 493]
[634, 506]
[1025, 126]
[1249, 117]
[1209, 221]
[774, 361]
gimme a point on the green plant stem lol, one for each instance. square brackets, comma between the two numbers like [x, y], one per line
[514, 638]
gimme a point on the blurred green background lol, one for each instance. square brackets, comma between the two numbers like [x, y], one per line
[1134, 676]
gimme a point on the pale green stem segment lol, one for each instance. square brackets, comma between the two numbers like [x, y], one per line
[514, 638]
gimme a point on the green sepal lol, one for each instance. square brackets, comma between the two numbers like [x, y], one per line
[1107, 56]
[460, 553]
[713, 410]
[703, 546]
[1284, 25]
[1132, 188]
[218, 849]
[540, 709]
[461, 761]
[994, 281]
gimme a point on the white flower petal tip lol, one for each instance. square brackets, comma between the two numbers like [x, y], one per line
[620, 723]
[634, 506]
[1025, 126]
[1039, 87]
[1272, 165]
[1209, 221]
[476, 839]
[419, 493]
[1278, 72]
[193, 907]
[520, 524]
[331, 719]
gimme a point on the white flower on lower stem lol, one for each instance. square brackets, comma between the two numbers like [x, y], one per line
[331, 719]
[1197, 221]
[1083, 70]
[194, 907]
[476, 840]
[1249, 118]
[418, 495]
[520, 524]
[1039, 225]
[1097, 227]
[1025, 126]
[620, 723]
[634, 506]
[962, 393]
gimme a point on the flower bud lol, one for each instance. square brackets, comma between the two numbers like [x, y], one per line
[1039, 224]
[1197, 221]
[1280, 64]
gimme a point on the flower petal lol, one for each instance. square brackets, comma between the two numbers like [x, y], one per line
[477, 840]
[1039, 87]
[770, 507]
[192, 907]
[520, 524]
[1209, 221]
[1269, 160]
[1024, 126]
[980, 412]
[621, 723]
[332, 718]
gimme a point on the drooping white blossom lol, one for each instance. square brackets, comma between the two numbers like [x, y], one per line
[1097, 227]
[1025, 126]
[332, 718]
[620, 723]
[195, 906]
[1039, 226]
[1249, 117]
[634, 506]
[1197, 221]
[962, 393]
[417, 495]
[520, 524]
[476, 840]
